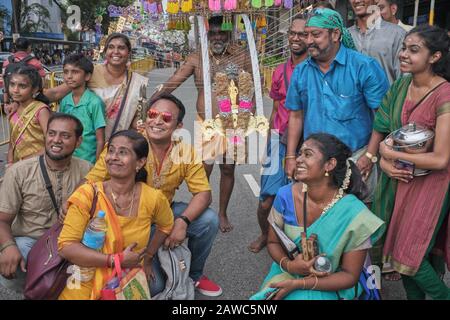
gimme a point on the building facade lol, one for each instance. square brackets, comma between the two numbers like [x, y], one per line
[441, 12]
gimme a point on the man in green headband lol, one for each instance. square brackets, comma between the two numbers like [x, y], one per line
[329, 19]
[335, 90]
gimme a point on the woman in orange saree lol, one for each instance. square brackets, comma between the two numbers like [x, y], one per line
[131, 207]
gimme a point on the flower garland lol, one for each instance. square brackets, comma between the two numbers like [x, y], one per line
[268, 3]
[246, 92]
[256, 4]
[214, 5]
[288, 4]
[230, 5]
[221, 90]
[173, 6]
[340, 193]
[187, 6]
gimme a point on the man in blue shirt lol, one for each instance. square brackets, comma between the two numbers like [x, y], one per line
[336, 90]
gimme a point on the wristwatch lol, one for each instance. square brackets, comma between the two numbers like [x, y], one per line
[371, 157]
[185, 219]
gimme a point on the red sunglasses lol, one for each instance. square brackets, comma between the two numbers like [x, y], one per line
[166, 116]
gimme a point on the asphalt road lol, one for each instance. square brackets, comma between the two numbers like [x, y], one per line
[230, 264]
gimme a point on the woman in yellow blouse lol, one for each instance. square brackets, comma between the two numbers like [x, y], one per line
[131, 207]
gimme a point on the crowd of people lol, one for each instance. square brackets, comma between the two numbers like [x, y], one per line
[56, 57]
[339, 192]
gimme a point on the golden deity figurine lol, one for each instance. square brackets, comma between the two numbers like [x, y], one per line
[233, 93]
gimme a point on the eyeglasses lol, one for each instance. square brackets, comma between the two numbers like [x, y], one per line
[300, 35]
[166, 116]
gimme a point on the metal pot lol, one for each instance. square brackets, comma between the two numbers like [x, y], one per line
[413, 138]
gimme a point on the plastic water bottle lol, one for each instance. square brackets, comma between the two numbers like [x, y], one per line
[94, 238]
[322, 264]
[113, 283]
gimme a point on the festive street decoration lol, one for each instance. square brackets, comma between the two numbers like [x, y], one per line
[235, 91]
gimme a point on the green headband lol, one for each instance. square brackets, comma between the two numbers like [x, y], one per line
[330, 19]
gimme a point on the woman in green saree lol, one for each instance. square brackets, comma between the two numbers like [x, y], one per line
[331, 185]
[416, 208]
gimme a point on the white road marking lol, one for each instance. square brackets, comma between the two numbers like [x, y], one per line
[253, 184]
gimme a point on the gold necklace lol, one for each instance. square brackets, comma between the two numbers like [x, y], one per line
[216, 60]
[130, 205]
[333, 201]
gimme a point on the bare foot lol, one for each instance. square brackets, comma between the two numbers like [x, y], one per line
[257, 245]
[392, 276]
[224, 224]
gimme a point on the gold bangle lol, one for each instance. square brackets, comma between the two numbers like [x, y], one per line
[304, 284]
[281, 261]
[7, 244]
[315, 283]
[290, 157]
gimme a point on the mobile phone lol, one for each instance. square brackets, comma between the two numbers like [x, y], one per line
[271, 294]
[404, 165]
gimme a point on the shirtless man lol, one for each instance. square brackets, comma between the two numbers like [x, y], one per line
[223, 58]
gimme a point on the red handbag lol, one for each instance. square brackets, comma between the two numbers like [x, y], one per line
[47, 275]
[130, 284]
[109, 293]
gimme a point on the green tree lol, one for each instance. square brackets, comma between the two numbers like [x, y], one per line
[4, 17]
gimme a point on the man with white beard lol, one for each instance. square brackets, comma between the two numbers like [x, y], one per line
[231, 60]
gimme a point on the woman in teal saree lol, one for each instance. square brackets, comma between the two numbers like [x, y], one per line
[345, 228]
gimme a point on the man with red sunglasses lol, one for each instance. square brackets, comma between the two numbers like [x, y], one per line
[225, 58]
[169, 164]
[165, 116]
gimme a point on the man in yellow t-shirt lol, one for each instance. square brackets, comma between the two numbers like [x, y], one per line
[169, 164]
